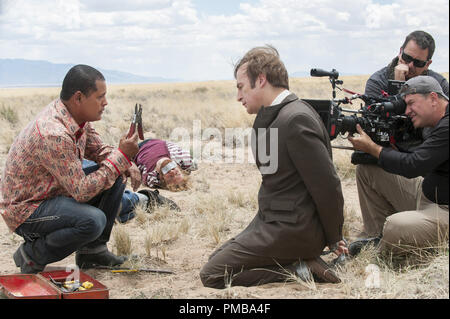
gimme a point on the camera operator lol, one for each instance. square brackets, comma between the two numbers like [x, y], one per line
[413, 59]
[404, 199]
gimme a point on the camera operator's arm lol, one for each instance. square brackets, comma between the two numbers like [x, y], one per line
[422, 160]
[364, 143]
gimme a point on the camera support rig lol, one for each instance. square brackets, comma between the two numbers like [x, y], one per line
[382, 118]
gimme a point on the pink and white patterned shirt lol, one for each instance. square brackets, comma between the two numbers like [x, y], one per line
[45, 159]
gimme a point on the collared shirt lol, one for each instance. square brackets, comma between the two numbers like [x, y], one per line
[280, 97]
[45, 159]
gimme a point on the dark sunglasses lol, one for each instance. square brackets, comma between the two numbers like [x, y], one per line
[417, 63]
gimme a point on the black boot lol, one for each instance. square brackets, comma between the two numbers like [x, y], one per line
[27, 266]
[104, 258]
[355, 247]
[157, 200]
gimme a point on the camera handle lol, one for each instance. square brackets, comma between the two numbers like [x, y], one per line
[333, 82]
[333, 76]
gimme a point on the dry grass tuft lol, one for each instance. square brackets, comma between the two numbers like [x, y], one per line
[344, 167]
[9, 114]
[351, 218]
[421, 275]
[242, 199]
[210, 204]
[142, 217]
[122, 240]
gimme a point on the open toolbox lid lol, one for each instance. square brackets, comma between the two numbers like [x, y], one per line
[40, 286]
[24, 286]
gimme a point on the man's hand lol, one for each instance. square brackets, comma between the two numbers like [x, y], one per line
[401, 71]
[135, 174]
[129, 146]
[364, 143]
[341, 248]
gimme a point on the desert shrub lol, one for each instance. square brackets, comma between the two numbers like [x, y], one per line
[9, 114]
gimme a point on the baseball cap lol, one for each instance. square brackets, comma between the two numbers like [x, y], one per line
[422, 84]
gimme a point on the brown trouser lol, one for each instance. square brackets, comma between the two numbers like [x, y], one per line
[234, 265]
[395, 207]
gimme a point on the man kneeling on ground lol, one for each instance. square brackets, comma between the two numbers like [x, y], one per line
[300, 199]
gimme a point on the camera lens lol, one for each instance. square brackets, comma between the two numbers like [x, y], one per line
[348, 124]
[396, 106]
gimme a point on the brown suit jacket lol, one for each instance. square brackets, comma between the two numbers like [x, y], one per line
[301, 203]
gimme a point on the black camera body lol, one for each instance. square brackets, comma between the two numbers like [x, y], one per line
[381, 118]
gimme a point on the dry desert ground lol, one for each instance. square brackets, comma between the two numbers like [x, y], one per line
[221, 201]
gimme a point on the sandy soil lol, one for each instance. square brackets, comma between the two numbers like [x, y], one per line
[186, 254]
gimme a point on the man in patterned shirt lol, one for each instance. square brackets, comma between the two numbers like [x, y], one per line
[47, 197]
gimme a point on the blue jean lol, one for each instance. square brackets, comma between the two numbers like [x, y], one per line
[129, 202]
[61, 225]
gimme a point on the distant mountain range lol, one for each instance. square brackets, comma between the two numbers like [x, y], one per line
[30, 73]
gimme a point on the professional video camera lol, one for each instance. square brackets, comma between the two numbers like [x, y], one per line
[382, 118]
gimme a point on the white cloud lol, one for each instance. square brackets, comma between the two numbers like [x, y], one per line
[380, 16]
[343, 16]
[120, 5]
[170, 38]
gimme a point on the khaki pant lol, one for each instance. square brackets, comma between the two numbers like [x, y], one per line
[394, 206]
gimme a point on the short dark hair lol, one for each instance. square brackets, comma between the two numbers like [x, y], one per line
[81, 78]
[264, 60]
[423, 40]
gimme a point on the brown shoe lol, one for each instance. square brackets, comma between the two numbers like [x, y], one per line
[321, 271]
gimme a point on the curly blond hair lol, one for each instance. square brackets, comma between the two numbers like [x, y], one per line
[185, 184]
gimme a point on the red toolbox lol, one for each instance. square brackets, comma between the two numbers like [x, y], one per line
[23, 286]
[40, 286]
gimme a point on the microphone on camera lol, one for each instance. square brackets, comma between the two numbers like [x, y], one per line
[319, 72]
